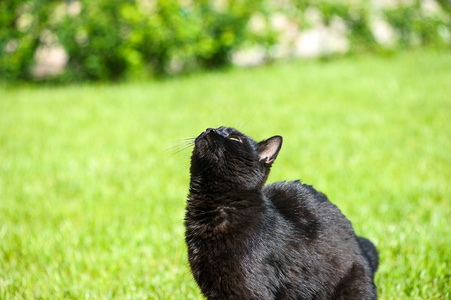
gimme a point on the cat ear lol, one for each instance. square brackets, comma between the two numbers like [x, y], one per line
[268, 149]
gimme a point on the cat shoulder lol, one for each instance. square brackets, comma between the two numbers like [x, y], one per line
[296, 203]
[294, 192]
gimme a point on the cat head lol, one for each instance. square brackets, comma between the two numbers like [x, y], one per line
[228, 156]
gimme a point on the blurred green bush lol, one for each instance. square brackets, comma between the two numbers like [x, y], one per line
[111, 38]
[21, 26]
[115, 39]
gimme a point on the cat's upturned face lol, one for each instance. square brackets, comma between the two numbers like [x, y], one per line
[225, 154]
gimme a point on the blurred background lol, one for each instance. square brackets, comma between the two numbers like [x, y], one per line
[100, 40]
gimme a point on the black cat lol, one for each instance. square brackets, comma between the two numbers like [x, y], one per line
[282, 241]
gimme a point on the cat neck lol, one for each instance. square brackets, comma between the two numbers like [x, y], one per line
[215, 212]
[211, 195]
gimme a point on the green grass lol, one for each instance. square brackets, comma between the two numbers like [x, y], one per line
[93, 190]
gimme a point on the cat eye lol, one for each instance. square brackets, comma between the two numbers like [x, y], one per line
[234, 138]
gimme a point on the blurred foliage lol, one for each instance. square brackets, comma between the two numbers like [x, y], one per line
[109, 39]
[21, 26]
[357, 19]
[113, 39]
[94, 40]
[415, 27]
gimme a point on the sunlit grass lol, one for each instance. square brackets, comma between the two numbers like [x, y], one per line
[93, 188]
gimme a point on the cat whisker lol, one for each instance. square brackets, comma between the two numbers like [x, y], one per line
[180, 145]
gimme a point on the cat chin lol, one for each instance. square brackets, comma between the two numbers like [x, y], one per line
[203, 152]
[204, 142]
[206, 148]
[201, 146]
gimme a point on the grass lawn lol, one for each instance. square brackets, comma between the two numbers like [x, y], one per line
[93, 185]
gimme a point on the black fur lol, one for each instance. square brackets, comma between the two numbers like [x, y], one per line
[282, 241]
